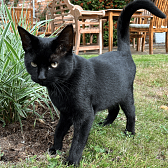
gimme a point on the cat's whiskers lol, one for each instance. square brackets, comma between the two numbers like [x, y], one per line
[58, 88]
[64, 83]
[61, 88]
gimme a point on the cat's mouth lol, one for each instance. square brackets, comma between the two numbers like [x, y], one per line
[40, 82]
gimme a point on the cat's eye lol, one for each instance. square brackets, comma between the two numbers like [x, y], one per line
[54, 65]
[33, 64]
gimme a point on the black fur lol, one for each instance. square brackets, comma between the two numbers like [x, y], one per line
[78, 87]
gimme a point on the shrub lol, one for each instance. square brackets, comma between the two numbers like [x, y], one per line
[100, 4]
[17, 91]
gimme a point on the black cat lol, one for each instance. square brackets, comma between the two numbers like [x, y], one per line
[79, 88]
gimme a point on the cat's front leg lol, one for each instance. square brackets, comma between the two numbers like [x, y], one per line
[62, 128]
[81, 132]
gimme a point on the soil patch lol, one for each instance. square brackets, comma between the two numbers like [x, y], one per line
[37, 136]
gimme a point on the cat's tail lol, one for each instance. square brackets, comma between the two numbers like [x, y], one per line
[124, 20]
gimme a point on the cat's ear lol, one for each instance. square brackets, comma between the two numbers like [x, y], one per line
[65, 38]
[27, 38]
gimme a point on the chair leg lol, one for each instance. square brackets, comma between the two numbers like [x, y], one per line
[84, 37]
[150, 42]
[77, 38]
[91, 39]
[77, 44]
[143, 42]
[142, 48]
[166, 44]
[138, 43]
[84, 41]
[74, 42]
[100, 37]
[133, 42]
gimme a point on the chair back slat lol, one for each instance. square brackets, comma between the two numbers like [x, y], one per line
[156, 25]
[22, 16]
[163, 6]
[59, 12]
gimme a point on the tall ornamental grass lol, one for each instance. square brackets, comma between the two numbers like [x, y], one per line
[17, 91]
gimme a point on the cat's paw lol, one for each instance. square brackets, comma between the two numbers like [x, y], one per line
[105, 122]
[129, 134]
[52, 151]
[70, 162]
[101, 123]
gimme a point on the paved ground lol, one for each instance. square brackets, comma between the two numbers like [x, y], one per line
[157, 49]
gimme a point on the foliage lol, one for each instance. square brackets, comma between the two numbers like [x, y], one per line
[17, 91]
[102, 5]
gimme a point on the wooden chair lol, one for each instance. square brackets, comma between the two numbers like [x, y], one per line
[155, 25]
[58, 11]
[46, 27]
[87, 22]
[140, 36]
[90, 22]
[26, 14]
[23, 16]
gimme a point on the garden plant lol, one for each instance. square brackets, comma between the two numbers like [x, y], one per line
[17, 91]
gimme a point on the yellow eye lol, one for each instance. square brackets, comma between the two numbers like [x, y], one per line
[54, 65]
[33, 64]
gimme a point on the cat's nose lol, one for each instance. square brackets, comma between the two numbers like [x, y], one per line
[42, 75]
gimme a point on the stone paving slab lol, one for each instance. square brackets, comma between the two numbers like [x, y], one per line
[157, 49]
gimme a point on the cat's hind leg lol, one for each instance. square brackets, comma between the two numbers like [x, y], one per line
[62, 128]
[129, 110]
[112, 114]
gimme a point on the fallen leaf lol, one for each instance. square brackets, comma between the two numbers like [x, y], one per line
[164, 107]
[41, 121]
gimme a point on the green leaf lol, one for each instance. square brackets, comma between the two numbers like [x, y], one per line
[12, 22]
[3, 35]
[12, 49]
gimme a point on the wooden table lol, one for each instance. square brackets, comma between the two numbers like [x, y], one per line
[110, 13]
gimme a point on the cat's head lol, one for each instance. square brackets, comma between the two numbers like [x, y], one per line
[48, 60]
